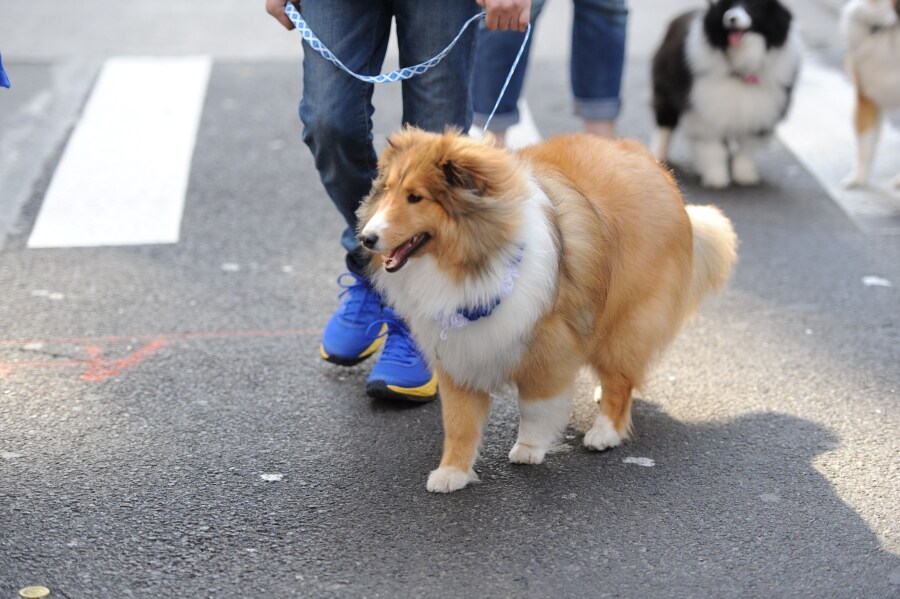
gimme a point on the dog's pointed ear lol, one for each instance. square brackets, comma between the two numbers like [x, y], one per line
[459, 177]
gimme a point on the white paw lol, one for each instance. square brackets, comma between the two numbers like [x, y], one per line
[447, 480]
[744, 172]
[602, 435]
[896, 181]
[854, 180]
[526, 454]
[714, 180]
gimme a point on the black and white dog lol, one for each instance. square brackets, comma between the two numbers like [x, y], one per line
[724, 75]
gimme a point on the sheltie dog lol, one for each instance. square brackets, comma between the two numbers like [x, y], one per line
[518, 269]
[725, 75]
[872, 35]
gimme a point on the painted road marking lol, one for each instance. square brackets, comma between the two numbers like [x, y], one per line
[819, 132]
[96, 367]
[123, 175]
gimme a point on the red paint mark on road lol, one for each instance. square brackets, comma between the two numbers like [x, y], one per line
[9, 368]
[99, 369]
[163, 336]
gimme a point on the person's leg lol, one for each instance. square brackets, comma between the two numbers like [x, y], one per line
[440, 97]
[598, 59]
[336, 108]
[495, 52]
[336, 111]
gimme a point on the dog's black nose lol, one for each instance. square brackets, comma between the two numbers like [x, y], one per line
[369, 240]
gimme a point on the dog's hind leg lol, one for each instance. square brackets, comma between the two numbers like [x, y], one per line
[465, 413]
[613, 424]
[540, 423]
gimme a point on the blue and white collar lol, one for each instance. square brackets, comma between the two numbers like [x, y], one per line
[467, 314]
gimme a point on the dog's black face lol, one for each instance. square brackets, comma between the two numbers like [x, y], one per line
[727, 20]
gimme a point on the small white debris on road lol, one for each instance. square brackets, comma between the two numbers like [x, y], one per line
[231, 267]
[646, 462]
[50, 295]
[273, 477]
[873, 281]
[770, 497]
[9, 455]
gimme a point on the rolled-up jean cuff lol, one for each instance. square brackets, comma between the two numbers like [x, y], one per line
[604, 109]
[501, 121]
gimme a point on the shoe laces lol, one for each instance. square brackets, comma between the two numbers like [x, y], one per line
[358, 297]
[399, 347]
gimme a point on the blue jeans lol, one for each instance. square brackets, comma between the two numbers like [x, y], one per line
[598, 58]
[336, 108]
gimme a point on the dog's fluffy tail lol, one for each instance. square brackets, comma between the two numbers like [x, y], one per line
[715, 252]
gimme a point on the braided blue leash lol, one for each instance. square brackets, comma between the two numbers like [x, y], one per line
[405, 72]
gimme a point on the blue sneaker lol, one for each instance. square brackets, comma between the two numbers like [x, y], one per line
[346, 340]
[401, 371]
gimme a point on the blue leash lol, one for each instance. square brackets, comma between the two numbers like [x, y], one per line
[406, 72]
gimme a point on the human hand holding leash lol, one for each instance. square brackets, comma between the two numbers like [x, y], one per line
[506, 15]
[276, 9]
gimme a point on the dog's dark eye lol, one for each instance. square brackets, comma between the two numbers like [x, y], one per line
[413, 198]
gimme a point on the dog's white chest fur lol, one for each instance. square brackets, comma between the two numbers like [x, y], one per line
[744, 91]
[483, 353]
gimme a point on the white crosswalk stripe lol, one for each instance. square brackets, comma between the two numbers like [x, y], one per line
[123, 175]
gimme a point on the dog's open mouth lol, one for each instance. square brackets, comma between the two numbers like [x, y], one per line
[735, 36]
[398, 256]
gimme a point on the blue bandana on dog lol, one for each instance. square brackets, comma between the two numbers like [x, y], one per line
[4, 80]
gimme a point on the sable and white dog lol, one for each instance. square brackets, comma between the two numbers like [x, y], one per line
[872, 35]
[724, 76]
[517, 269]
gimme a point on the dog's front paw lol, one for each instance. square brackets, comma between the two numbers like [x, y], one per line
[447, 480]
[602, 435]
[854, 180]
[744, 171]
[526, 454]
[715, 180]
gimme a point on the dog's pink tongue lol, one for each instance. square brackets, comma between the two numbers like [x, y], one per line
[735, 37]
[396, 256]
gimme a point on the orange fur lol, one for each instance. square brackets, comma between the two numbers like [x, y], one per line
[633, 263]
[867, 115]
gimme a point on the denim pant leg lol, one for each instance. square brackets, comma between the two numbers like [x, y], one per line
[336, 108]
[495, 52]
[598, 57]
[440, 97]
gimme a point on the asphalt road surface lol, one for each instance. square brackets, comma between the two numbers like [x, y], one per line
[167, 429]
